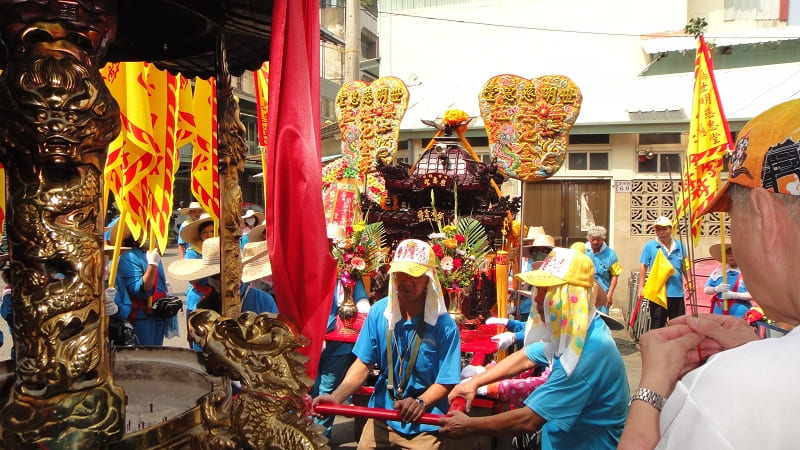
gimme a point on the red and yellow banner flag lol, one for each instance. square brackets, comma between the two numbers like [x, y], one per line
[164, 120]
[205, 177]
[186, 125]
[709, 140]
[261, 78]
[130, 158]
[142, 161]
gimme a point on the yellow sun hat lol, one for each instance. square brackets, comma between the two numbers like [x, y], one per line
[562, 266]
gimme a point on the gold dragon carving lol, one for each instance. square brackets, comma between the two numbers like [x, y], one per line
[56, 120]
[270, 412]
[232, 151]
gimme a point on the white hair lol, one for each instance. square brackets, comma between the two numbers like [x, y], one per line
[596, 231]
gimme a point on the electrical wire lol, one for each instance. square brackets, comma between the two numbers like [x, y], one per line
[556, 30]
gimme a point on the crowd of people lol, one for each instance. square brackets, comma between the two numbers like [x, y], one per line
[564, 376]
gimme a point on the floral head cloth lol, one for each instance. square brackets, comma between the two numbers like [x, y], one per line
[568, 305]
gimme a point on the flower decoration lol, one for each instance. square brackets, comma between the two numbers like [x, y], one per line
[461, 250]
[455, 117]
[358, 249]
[338, 170]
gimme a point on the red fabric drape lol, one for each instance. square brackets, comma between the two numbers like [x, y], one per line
[302, 270]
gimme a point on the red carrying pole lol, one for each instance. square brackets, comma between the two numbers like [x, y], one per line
[370, 413]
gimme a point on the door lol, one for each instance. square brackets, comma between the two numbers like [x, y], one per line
[566, 208]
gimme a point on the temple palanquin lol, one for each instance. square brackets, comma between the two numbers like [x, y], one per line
[445, 180]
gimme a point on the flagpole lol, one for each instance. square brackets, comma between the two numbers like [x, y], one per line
[687, 269]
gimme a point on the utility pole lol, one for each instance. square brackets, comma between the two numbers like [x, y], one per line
[352, 41]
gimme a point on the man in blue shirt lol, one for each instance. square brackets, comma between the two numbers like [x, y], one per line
[584, 402]
[675, 254]
[606, 263]
[415, 343]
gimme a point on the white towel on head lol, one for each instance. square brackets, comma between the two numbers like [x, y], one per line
[434, 302]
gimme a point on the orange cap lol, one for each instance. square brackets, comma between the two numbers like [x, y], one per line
[766, 154]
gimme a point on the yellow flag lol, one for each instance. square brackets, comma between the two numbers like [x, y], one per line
[709, 140]
[655, 288]
[186, 126]
[205, 178]
[130, 159]
[163, 98]
[261, 79]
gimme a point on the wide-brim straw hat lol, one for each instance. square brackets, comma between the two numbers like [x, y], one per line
[253, 213]
[716, 251]
[254, 235]
[533, 233]
[255, 261]
[191, 232]
[194, 269]
[115, 227]
[543, 240]
[108, 248]
[192, 206]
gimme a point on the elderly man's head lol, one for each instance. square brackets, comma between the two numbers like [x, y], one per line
[762, 195]
[596, 235]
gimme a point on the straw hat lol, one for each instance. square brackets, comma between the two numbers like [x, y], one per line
[715, 251]
[251, 213]
[108, 248]
[193, 206]
[543, 240]
[254, 235]
[194, 269]
[191, 232]
[255, 261]
[112, 234]
[533, 233]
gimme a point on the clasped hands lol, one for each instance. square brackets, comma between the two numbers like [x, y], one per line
[669, 353]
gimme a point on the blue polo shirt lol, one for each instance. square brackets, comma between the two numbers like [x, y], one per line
[675, 256]
[606, 265]
[586, 410]
[438, 361]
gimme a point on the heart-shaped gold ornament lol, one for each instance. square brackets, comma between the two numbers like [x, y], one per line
[528, 122]
[369, 118]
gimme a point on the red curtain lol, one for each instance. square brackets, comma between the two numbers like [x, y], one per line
[303, 271]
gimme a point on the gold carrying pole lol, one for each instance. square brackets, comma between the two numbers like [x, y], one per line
[501, 281]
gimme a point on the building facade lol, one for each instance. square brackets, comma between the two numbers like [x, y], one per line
[634, 66]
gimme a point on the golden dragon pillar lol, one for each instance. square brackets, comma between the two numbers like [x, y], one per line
[56, 121]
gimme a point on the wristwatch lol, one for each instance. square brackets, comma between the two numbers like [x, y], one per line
[420, 401]
[646, 395]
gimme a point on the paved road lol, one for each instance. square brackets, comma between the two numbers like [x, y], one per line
[343, 436]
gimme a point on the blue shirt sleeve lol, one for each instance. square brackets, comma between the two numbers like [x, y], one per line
[5, 309]
[370, 339]
[258, 301]
[131, 267]
[561, 399]
[535, 352]
[124, 304]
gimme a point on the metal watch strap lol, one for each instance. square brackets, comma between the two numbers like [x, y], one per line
[653, 398]
[421, 402]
